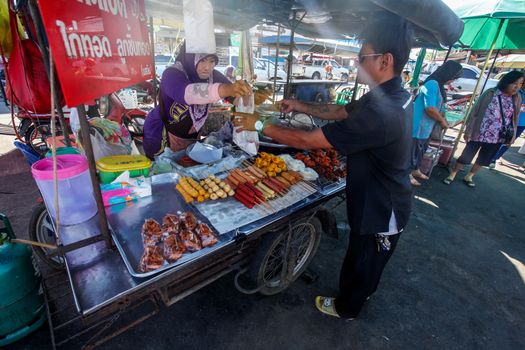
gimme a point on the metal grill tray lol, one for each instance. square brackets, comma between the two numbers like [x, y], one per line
[126, 222]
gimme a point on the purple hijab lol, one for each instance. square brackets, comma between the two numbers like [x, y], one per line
[177, 116]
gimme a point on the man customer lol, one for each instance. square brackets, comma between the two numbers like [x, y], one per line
[374, 133]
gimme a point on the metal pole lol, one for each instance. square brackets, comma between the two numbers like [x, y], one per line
[39, 28]
[473, 98]
[490, 70]
[287, 89]
[293, 25]
[448, 54]
[152, 40]
[88, 148]
[276, 60]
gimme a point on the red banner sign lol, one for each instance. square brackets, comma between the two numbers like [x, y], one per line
[98, 46]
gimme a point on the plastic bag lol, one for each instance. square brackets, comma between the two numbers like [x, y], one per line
[198, 26]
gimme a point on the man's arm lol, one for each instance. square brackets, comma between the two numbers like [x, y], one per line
[324, 111]
[328, 111]
[433, 113]
[299, 139]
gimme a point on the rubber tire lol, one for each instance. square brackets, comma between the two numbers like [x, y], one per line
[28, 138]
[36, 213]
[316, 76]
[344, 77]
[266, 247]
[319, 98]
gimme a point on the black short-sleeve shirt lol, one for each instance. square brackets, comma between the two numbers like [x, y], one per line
[376, 138]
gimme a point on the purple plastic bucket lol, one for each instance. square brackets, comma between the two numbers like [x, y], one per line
[76, 202]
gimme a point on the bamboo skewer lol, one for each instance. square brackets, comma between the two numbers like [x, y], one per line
[38, 244]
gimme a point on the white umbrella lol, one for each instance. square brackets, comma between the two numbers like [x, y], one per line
[511, 61]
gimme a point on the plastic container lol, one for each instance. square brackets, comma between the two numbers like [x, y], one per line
[63, 150]
[76, 202]
[111, 167]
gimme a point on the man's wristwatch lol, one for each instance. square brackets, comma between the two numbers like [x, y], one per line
[259, 126]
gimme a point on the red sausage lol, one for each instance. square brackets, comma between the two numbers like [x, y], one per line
[243, 200]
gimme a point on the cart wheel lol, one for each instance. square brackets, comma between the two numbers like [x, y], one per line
[41, 230]
[267, 264]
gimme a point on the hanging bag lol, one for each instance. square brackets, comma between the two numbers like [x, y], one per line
[27, 82]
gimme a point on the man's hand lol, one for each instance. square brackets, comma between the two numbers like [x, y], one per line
[245, 121]
[444, 124]
[237, 89]
[288, 106]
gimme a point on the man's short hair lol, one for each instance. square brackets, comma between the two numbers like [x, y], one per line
[389, 33]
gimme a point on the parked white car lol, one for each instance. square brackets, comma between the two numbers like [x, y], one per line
[263, 68]
[316, 70]
[467, 82]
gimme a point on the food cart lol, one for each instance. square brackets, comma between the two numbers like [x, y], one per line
[267, 247]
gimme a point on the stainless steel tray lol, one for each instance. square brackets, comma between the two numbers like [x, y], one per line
[126, 222]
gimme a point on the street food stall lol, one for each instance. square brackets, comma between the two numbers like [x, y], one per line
[134, 235]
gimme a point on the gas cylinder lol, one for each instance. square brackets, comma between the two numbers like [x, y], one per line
[22, 308]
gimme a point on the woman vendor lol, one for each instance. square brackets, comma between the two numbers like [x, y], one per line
[186, 91]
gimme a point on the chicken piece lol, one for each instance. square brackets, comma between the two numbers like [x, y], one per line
[188, 221]
[190, 240]
[151, 232]
[151, 259]
[171, 224]
[206, 235]
[173, 248]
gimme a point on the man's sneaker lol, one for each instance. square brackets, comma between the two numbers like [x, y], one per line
[327, 306]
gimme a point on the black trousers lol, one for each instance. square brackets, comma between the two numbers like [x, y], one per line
[361, 272]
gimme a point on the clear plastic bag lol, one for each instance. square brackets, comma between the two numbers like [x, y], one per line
[198, 26]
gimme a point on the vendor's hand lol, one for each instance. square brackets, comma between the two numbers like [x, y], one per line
[237, 89]
[245, 121]
[444, 124]
[287, 106]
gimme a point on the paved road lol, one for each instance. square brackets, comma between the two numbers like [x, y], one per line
[456, 281]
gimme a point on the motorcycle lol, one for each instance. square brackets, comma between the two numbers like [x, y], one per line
[34, 129]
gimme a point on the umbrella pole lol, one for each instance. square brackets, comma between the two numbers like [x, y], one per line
[152, 40]
[490, 70]
[293, 26]
[473, 98]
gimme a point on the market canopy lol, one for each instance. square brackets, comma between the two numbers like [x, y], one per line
[511, 61]
[488, 18]
[435, 23]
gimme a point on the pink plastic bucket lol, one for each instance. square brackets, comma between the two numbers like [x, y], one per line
[76, 202]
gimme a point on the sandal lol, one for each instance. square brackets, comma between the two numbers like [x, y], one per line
[469, 183]
[447, 181]
[420, 175]
[414, 182]
[326, 305]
